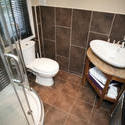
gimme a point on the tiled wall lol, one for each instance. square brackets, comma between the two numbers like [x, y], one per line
[66, 33]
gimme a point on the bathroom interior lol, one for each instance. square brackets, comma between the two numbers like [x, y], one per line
[62, 62]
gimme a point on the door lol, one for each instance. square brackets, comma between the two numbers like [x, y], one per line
[14, 106]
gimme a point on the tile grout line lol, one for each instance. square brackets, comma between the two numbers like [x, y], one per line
[111, 25]
[94, 104]
[42, 31]
[69, 113]
[78, 46]
[89, 26]
[50, 40]
[75, 100]
[76, 73]
[71, 73]
[61, 56]
[91, 17]
[98, 33]
[55, 34]
[65, 112]
[70, 39]
[68, 116]
[63, 27]
[40, 49]
[52, 105]
[37, 30]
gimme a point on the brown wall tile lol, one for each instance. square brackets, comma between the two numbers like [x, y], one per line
[63, 17]
[80, 27]
[41, 38]
[76, 59]
[36, 47]
[62, 41]
[93, 36]
[38, 11]
[48, 21]
[118, 29]
[48, 15]
[101, 22]
[63, 62]
[39, 29]
[49, 32]
[49, 48]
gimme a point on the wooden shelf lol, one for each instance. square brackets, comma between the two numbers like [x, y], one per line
[112, 73]
[99, 92]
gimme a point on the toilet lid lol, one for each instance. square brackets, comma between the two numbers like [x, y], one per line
[44, 65]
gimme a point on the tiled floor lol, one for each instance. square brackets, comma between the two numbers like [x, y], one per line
[69, 103]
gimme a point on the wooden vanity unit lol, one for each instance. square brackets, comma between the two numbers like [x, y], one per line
[112, 73]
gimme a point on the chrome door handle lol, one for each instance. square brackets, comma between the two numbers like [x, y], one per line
[15, 58]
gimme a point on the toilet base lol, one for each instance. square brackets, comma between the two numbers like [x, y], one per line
[44, 81]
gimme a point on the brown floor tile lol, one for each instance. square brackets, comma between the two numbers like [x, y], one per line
[87, 94]
[73, 120]
[100, 119]
[62, 75]
[100, 122]
[47, 107]
[48, 95]
[64, 102]
[36, 87]
[55, 117]
[66, 76]
[82, 110]
[69, 96]
[75, 79]
[58, 86]
[101, 113]
[87, 84]
[71, 89]
[105, 106]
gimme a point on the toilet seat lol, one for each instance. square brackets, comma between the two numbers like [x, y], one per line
[44, 66]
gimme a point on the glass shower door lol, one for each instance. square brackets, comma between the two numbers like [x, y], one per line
[14, 106]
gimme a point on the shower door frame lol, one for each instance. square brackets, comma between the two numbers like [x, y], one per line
[19, 63]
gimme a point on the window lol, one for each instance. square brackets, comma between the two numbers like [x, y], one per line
[19, 10]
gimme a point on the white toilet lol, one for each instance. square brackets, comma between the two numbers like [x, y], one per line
[44, 68]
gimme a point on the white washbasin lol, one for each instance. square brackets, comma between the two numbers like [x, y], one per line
[111, 53]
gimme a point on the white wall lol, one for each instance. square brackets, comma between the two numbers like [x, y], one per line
[112, 6]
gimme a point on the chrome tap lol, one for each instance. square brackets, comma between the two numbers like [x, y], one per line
[123, 42]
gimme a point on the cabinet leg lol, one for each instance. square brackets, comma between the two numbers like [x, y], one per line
[99, 102]
[119, 95]
[84, 80]
[85, 71]
[104, 91]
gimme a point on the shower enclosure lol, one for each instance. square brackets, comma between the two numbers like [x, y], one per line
[19, 103]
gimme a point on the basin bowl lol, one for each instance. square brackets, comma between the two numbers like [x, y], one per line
[111, 53]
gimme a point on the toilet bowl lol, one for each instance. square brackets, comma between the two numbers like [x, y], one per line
[44, 68]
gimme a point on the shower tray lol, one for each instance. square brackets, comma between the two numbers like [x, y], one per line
[8, 105]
